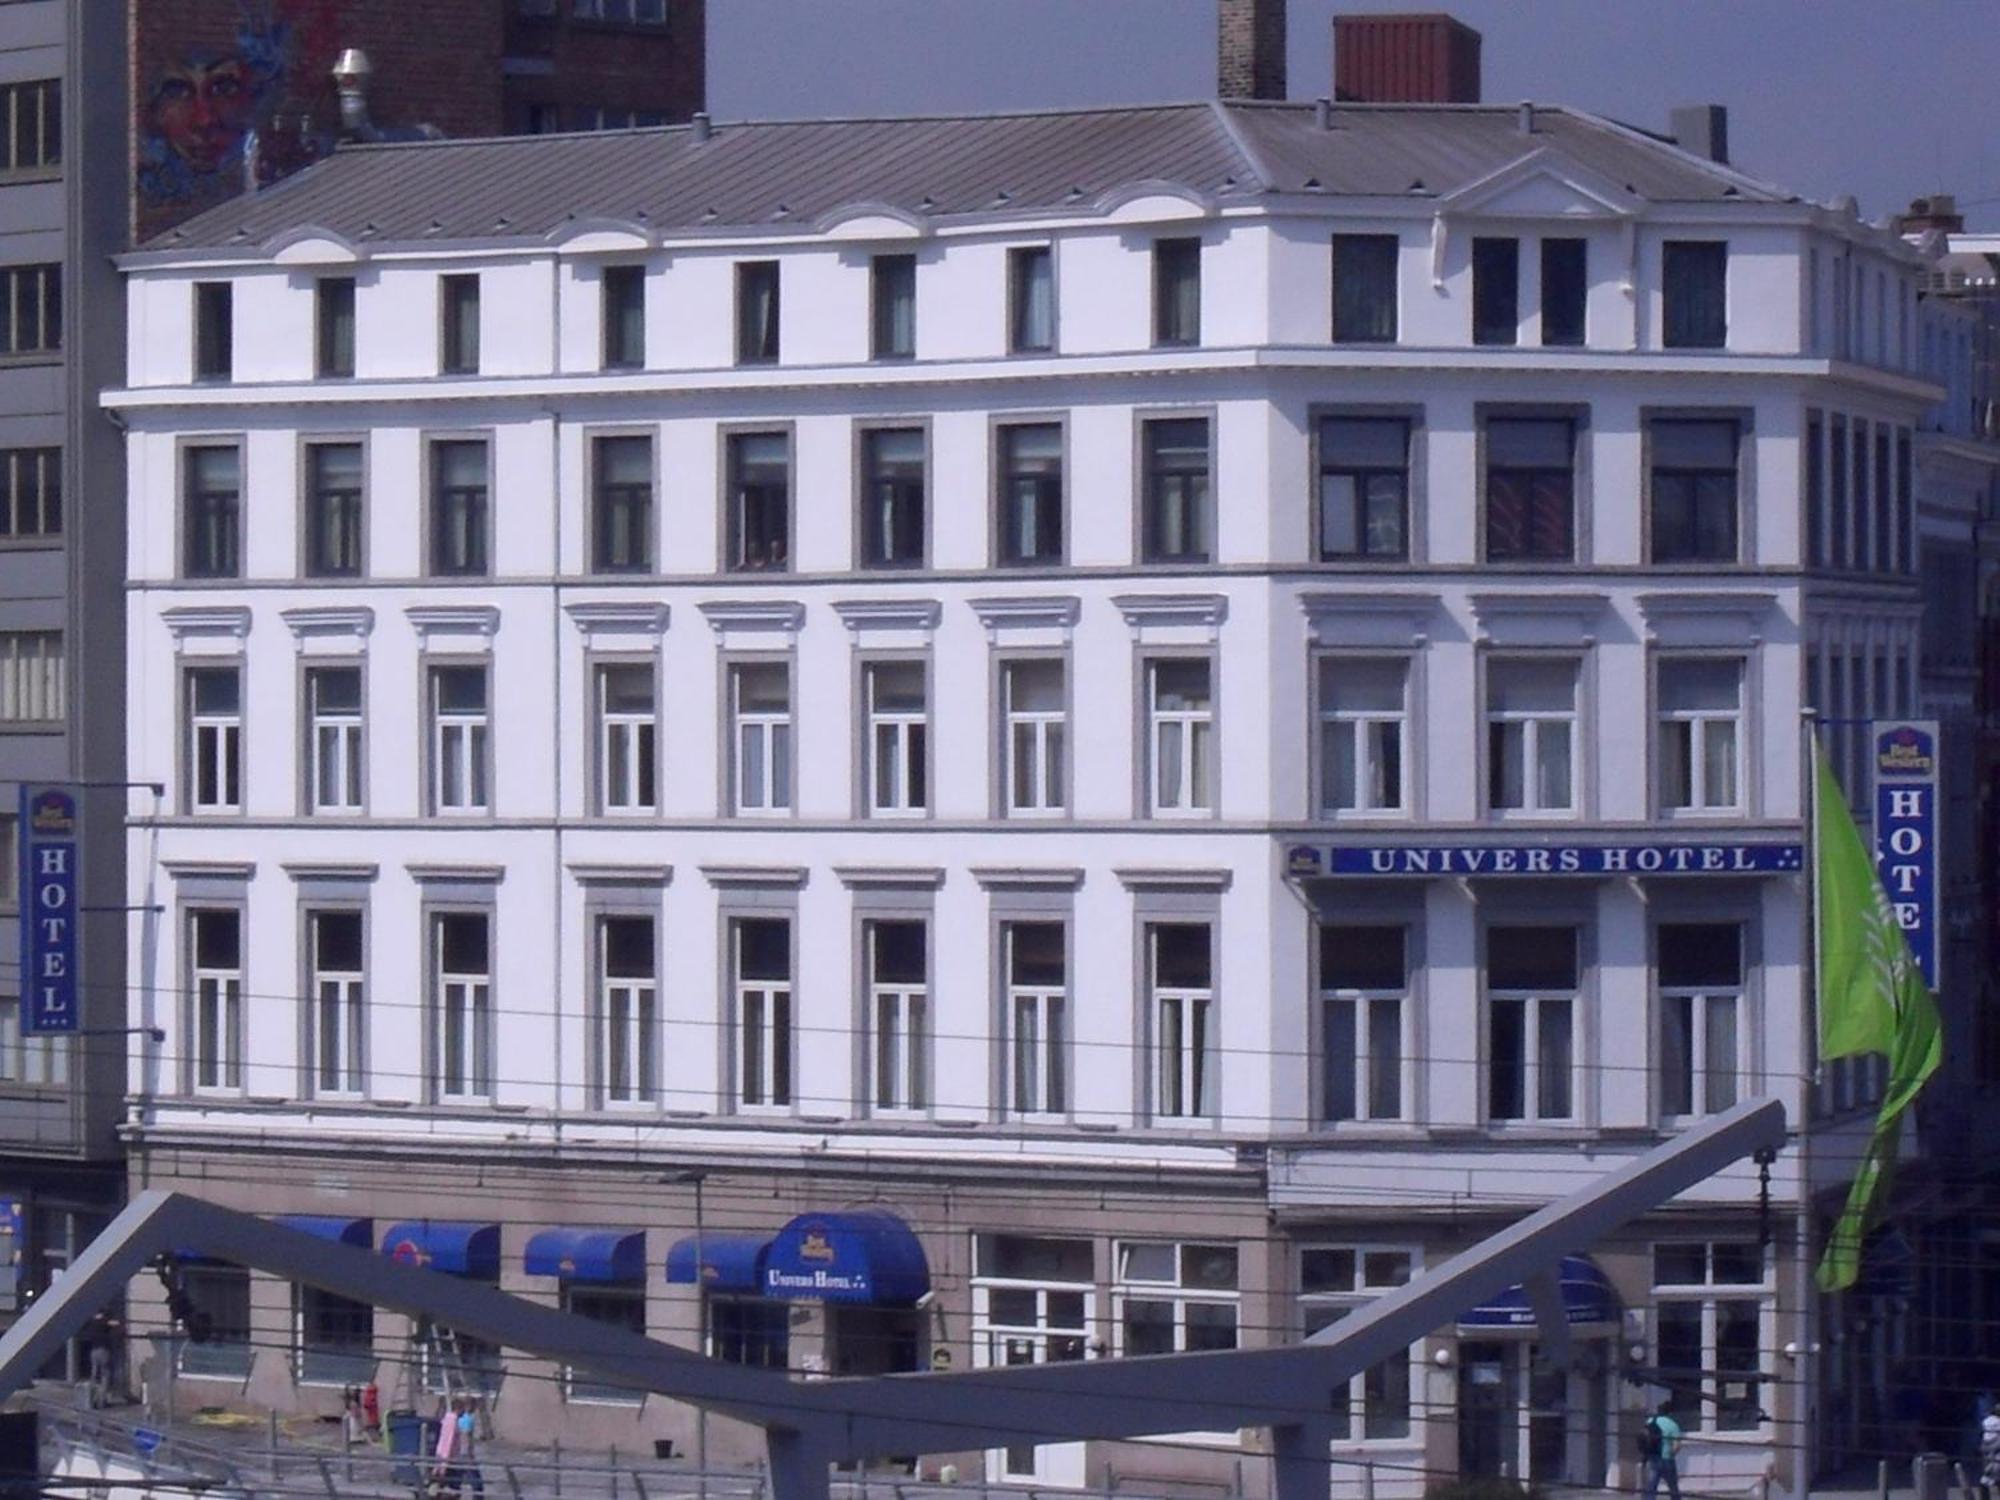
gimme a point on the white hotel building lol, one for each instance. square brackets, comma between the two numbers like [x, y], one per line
[791, 674]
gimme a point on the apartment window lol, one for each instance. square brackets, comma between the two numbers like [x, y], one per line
[1709, 1302]
[898, 1015]
[1334, 1282]
[1885, 501]
[219, 1301]
[1842, 551]
[1364, 489]
[892, 497]
[1858, 473]
[333, 734]
[628, 1010]
[898, 763]
[762, 961]
[1176, 292]
[1176, 1298]
[1531, 736]
[1694, 278]
[458, 330]
[1031, 493]
[333, 322]
[1363, 726]
[1906, 512]
[1363, 981]
[1694, 478]
[1531, 983]
[335, 1337]
[211, 508]
[1178, 969]
[35, 1060]
[460, 508]
[757, 312]
[1815, 486]
[1701, 735]
[624, 317]
[1031, 299]
[622, 537]
[892, 307]
[215, 739]
[1565, 285]
[337, 990]
[613, 1306]
[1701, 999]
[1364, 288]
[627, 738]
[761, 726]
[214, 332]
[462, 1004]
[333, 509]
[1036, 729]
[1037, 1017]
[31, 126]
[460, 739]
[215, 938]
[1180, 717]
[1496, 290]
[760, 496]
[629, 12]
[1530, 489]
[32, 677]
[1175, 473]
[30, 493]
[30, 309]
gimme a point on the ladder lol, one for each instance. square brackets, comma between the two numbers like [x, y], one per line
[437, 1364]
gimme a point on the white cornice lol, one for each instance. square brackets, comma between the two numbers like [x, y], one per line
[782, 615]
[210, 869]
[605, 874]
[212, 621]
[1526, 609]
[1027, 877]
[1403, 613]
[724, 877]
[480, 621]
[1167, 611]
[889, 614]
[1737, 615]
[1027, 612]
[310, 870]
[890, 877]
[619, 617]
[429, 874]
[356, 620]
[1165, 878]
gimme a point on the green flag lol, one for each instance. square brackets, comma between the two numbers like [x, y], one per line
[1872, 998]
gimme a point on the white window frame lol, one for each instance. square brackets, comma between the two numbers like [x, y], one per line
[627, 742]
[1698, 724]
[215, 1011]
[1701, 1001]
[338, 996]
[1708, 1294]
[996, 1340]
[214, 745]
[462, 1002]
[335, 750]
[1534, 1003]
[898, 1029]
[628, 1021]
[1185, 1082]
[763, 1019]
[461, 741]
[1531, 725]
[1037, 1059]
[896, 755]
[1035, 741]
[1364, 1005]
[1362, 728]
[33, 677]
[1364, 1291]
[1192, 734]
[34, 1060]
[770, 732]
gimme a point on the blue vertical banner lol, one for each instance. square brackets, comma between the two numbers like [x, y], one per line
[48, 909]
[1906, 832]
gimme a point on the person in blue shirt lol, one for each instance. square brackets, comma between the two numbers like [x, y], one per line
[1658, 1445]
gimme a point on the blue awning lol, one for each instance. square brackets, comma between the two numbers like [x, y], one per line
[331, 1227]
[865, 1255]
[605, 1255]
[1587, 1293]
[729, 1262]
[446, 1245]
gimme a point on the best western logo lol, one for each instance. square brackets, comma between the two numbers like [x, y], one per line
[53, 815]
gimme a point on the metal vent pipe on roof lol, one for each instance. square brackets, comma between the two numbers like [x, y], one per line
[1527, 117]
[702, 129]
[1323, 113]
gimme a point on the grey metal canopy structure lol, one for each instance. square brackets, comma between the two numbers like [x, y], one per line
[810, 1424]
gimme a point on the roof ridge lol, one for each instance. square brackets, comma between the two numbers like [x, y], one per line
[1265, 179]
[1721, 170]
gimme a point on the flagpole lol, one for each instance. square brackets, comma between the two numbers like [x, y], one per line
[1807, 1362]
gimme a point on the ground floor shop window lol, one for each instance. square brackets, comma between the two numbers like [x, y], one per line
[334, 1338]
[1176, 1299]
[215, 1332]
[616, 1307]
[750, 1331]
[1034, 1301]
[1335, 1280]
[1711, 1305]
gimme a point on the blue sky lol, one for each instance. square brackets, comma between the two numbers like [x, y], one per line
[1885, 99]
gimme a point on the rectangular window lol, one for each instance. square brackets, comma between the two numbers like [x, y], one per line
[1176, 292]
[31, 126]
[1906, 510]
[211, 510]
[1364, 288]
[1885, 502]
[1037, 1018]
[1701, 735]
[33, 687]
[1531, 717]
[1694, 484]
[1858, 475]
[622, 475]
[1694, 283]
[333, 737]
[1530, 489]
[1030, 484]
[1709, 1302]
[628, 1010]
[1815, 485]
[1364, 489]
[1175, 474]
[460, 508]
[1180, 737]
[620, 1307]
[333, 324]
[1036, 729]
[336, 1337]
[892, 307]
[1031, 300]
[1701, 998]
[214, 330]
[220, 1297]
[31, 310]
[897, 756]
[333, 509]
[215, 1043]
[898, 1015]
[627, 739]
[762, 960]
[461, 747]
[1363, 981]
[30, 493]
[1496, 290]
[760, 502]
[1843, 539]
[458, 324]
[215, 739]
[462, 1004]
[337, 988]
[757, 312]
[10, 861]
[1179, 973]
[1565, 287]
[761, 728]
[628, 12]
[1531, 984]
[1363, 727]
[893, 493]
[1335, 1281]
[624, 289]
[1176, 1298]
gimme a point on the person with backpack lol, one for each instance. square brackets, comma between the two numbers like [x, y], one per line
[1659, 1441]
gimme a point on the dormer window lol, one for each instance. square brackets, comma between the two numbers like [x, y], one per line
[1565, 281]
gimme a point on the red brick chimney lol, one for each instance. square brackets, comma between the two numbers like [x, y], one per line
[1405, 59]
[1250, 49]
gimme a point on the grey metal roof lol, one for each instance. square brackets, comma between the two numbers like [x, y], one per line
[792, 174]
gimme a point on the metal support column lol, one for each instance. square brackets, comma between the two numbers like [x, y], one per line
[1301, 1461]
[799, 1465]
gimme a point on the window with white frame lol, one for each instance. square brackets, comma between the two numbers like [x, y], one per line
[622, 504]
[1531, 1002]
[1031, 299]
[1180, 739]
[333, 510]
[1177, 524]
[1037, 1017]
[1179, 971]
[892, 497]
[1037, 721]
[898, 1015]
[1029, 483]
[461, 508]
[1531, 717]
[30, 126]
[334, 1337]
[627, 738]
[1364, 982]
[462, 1005]
[212, 510]
[1033, 1303]
[215, 739]
[338, 989]
[460, 739]
[1363, 727]
[215, 1040]
[30, 309]
[1711, 1304]
[41, 1058]
[1701, 735]
[761, 959]
[30, 494]
[759, 501]
[615, 1306]
[32, 677]
[1334, 1281]
[1700, 968]
[628, 1010]
[333, 738]
[1176, 1298]
[760, 706]
[898, 765]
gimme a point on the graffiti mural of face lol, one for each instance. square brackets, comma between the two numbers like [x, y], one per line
[203, 108]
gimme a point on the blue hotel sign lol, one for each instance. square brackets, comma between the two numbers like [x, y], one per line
[48, 909]
[1906, 832]
[1517, 860]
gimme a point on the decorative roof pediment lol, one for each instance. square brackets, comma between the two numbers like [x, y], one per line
[1153, 200]
[310, 245]
[872, 221]
[1544, 184]
[595, 236]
